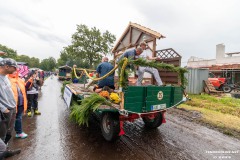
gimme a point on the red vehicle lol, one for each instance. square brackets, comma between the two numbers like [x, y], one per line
[219, 83]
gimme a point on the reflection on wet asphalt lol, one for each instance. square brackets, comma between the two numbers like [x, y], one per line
[53, 137]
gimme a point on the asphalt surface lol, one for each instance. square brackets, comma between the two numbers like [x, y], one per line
[52, 136]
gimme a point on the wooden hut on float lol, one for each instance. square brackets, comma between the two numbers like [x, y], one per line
[133, 36]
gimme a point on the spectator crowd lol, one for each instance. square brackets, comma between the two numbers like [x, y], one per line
[18, 95]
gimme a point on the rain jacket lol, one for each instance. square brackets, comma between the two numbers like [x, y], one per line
[16, 81]
[32, 86]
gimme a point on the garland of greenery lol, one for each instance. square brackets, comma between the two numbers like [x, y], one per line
[81, 113]
[145, 63]
[73, 74]
[63, 86]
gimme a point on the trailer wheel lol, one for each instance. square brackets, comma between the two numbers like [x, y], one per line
[153, 123]
[110, 126]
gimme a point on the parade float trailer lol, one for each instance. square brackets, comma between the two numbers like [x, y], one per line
[64, 72]
[147, 102]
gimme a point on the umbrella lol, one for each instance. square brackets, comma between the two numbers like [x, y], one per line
[22, 70]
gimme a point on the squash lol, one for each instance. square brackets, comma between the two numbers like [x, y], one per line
[115, 98]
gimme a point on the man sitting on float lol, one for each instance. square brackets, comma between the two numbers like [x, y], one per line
[108, 82]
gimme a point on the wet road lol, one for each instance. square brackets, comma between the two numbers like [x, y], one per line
[53, 137]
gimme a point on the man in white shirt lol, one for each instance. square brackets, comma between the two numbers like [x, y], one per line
[148, 56]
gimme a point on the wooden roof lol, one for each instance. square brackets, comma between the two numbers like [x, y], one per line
[148, 30]
[65, 67]
[133, 34]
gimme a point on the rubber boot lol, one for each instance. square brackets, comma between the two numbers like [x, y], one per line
[10, 153]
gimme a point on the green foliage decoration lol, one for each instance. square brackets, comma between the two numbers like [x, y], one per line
[73, 74]
[145, 63]
[81, 113]
[63, 86]
[127, 70]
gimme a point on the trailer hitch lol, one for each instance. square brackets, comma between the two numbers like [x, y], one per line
[123, 112]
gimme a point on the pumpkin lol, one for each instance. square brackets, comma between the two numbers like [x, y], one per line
[104, 94]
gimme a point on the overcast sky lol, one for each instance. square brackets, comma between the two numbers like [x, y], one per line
[41, 28]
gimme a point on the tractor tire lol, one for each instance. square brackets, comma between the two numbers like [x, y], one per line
[226, 89]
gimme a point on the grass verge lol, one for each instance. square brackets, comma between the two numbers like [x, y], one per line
[222, 113]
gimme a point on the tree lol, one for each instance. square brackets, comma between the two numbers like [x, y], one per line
[23, 58]
[32, 62]
[69, 58]
[48, 64]
[87, 48]
[10, 52]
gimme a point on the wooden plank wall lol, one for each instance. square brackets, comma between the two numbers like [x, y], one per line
[169, 56]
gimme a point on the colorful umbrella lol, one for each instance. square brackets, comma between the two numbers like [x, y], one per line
[22, 70]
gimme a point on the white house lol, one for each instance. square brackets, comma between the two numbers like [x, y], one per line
[225, 64]
[222, 58]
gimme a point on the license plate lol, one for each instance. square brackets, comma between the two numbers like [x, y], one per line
[158, 107]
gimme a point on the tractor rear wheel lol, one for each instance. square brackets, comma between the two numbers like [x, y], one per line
[226, 89]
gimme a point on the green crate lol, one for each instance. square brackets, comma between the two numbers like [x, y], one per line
[134, 98]
[148, 98]
[158, 97]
